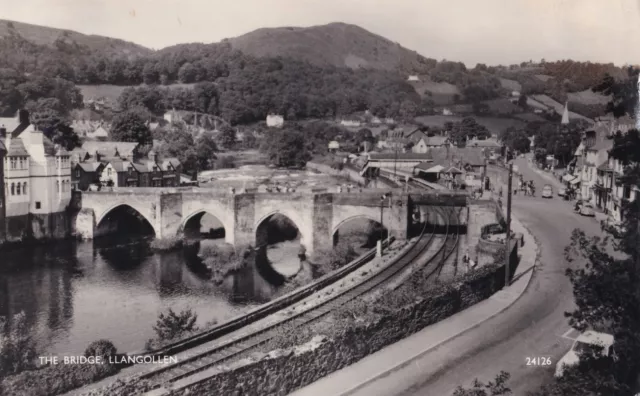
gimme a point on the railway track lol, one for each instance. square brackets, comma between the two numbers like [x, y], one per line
[233, 348]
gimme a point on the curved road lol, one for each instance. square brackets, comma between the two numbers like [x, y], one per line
[532, 327]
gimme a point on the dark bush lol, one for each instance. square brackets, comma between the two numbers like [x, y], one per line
[103, 348]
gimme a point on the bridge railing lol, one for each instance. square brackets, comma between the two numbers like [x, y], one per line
[264, 310]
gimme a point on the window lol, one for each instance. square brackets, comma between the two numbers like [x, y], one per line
[626, 192]
[109, 172]
[78, 173]
[38, 205]
[6, 189]
[155, 168]
[21, 163]
[24, 188]
[18, 189]
[13, 189]
[58, 187]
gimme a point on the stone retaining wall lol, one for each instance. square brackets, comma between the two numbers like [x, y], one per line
[283, 372]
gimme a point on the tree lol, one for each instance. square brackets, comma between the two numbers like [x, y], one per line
[206, 150]
[249, 140]
[408, 110]
[48, 116]
[131, 126]
[515, 139]
[624, 93]
[170, 326]
[17, 347]
[364, 135]
[496, 388]
[522, 101]
[228, 137]
[466, 129]
[286, 148]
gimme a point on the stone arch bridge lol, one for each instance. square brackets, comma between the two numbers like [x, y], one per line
[317, 214]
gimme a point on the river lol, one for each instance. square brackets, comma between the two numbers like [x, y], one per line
[74, 293]
[114, 288]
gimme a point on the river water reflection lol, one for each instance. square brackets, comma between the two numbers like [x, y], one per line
[76, 292]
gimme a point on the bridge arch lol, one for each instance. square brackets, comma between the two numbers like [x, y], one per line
[101, 217]
[197, 214]
[361, 216]
[294, 218]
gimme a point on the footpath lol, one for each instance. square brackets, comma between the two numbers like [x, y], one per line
[366, 371]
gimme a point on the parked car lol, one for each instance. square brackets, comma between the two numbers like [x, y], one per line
[562, 192]
[586, 209]
[589, 341]
[547, 191]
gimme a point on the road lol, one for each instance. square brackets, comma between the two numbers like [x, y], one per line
[534, 326]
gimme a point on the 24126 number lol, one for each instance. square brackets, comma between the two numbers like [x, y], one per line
[538, 361]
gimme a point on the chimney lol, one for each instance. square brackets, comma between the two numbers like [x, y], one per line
[23, 117]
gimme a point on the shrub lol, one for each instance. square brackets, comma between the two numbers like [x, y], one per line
[17, 348]
[326, 261]
[128, 387]
[223, 259]
[171, 325]
[61, 378]
[55, 380]
[103, 348]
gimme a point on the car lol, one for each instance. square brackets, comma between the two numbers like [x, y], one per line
[589, 341]
[547, 191]
[562, 192]
[586, 209]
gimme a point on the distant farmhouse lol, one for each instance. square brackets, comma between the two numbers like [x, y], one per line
[275, 121]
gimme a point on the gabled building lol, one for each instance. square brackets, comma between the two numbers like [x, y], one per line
[150, 172]
[84, 174]
[275, 121]
[37, 181]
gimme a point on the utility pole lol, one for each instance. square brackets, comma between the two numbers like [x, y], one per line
[395, 161]
[507, 254]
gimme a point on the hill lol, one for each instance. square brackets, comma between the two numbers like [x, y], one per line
[336, 44]
[64, 40]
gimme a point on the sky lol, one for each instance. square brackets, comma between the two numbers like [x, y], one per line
[471, 31]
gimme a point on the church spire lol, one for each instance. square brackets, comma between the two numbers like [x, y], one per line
[565, 114]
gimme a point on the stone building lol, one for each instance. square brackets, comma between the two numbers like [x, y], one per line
[37, 181]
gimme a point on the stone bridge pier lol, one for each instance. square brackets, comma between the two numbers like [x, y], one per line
[317, 215]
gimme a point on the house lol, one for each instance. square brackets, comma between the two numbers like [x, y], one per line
[150, 172]
[275, 121]
[98, 133]
[466, 164]
[447, 112]
[428, 142]
[515, 94]
[376, 120]
[333, 146]
[413, 78]
[596, 143]
[104, 150]
[37, 180]
[350, 122]
[84, 174]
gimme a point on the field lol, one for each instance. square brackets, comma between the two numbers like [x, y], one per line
[529, 117]
[558, 107]
[502, 106]
[112, 92]
[441, 93]
[543, 77]
[588, 97]
[493, 124]
[511, 85]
